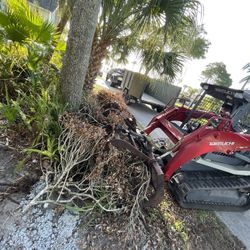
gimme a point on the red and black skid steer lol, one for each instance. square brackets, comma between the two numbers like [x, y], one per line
[207, 165]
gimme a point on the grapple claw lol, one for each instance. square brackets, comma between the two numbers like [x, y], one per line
[157, 175]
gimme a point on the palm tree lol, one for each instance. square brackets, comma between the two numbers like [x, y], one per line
[112, 22]
[167, 56]
[122, 21]
[76, 60]
[18, 23]
[246, 79]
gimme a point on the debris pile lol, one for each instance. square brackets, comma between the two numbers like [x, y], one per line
[90, 173]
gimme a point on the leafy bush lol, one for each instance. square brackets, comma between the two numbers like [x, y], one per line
[34, 109]
[29, 99]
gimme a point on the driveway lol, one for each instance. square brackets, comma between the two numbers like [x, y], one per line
[237, 222]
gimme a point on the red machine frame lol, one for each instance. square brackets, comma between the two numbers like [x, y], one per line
[215, 136]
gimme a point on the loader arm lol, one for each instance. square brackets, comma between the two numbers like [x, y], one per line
[164, 121]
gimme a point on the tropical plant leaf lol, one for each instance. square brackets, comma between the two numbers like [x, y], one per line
[19, 23]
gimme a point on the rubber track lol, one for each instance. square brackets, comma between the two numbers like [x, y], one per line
[207, 180]
[183, 183]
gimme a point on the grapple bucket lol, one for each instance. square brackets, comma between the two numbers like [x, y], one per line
[157, 176]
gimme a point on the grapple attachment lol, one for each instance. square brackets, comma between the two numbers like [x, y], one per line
[157, 176]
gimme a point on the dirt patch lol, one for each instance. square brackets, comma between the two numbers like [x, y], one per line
[14, 176]
[8, 161]
[109, 232]
[196, 229]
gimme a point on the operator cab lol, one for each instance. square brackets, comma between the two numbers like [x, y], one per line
[236, 107]
[227, 103]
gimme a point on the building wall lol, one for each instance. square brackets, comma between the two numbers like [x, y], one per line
[1, 4]
[46, 14]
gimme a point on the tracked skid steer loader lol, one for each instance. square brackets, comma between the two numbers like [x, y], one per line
[205, 157]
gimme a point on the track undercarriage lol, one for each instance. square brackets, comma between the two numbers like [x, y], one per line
[211, 190]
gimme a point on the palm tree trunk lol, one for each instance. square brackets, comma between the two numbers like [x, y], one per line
[98, 53]
[63, 21]
[65, 15]
[77, 56]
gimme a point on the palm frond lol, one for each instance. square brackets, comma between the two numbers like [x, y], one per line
[172, 64]
[20, 24]
[123, 47]
[46, 33]
[115, 15]
[247, 67]
[246, 79]
[164, 63]
[166, 13]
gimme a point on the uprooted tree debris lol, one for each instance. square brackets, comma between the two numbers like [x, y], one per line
[90, 173]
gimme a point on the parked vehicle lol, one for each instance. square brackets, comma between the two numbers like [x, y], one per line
[138, 88]
[115, 77]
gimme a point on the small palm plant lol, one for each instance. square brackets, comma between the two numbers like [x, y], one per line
[26, 41]
[18, 23]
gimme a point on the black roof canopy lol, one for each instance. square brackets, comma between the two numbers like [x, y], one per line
[226, 94]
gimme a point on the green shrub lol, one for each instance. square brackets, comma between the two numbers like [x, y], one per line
[29, 99]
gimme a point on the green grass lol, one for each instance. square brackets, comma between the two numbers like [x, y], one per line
[97, 88]
[176, 224]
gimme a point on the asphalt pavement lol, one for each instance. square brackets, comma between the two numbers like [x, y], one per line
[237, 222]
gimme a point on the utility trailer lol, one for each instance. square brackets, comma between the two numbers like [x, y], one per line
[138, 88]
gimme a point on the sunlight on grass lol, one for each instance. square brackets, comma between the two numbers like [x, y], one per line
[97, 88]
[176, 225]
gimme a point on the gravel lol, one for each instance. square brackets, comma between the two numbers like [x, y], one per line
[39, 228]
